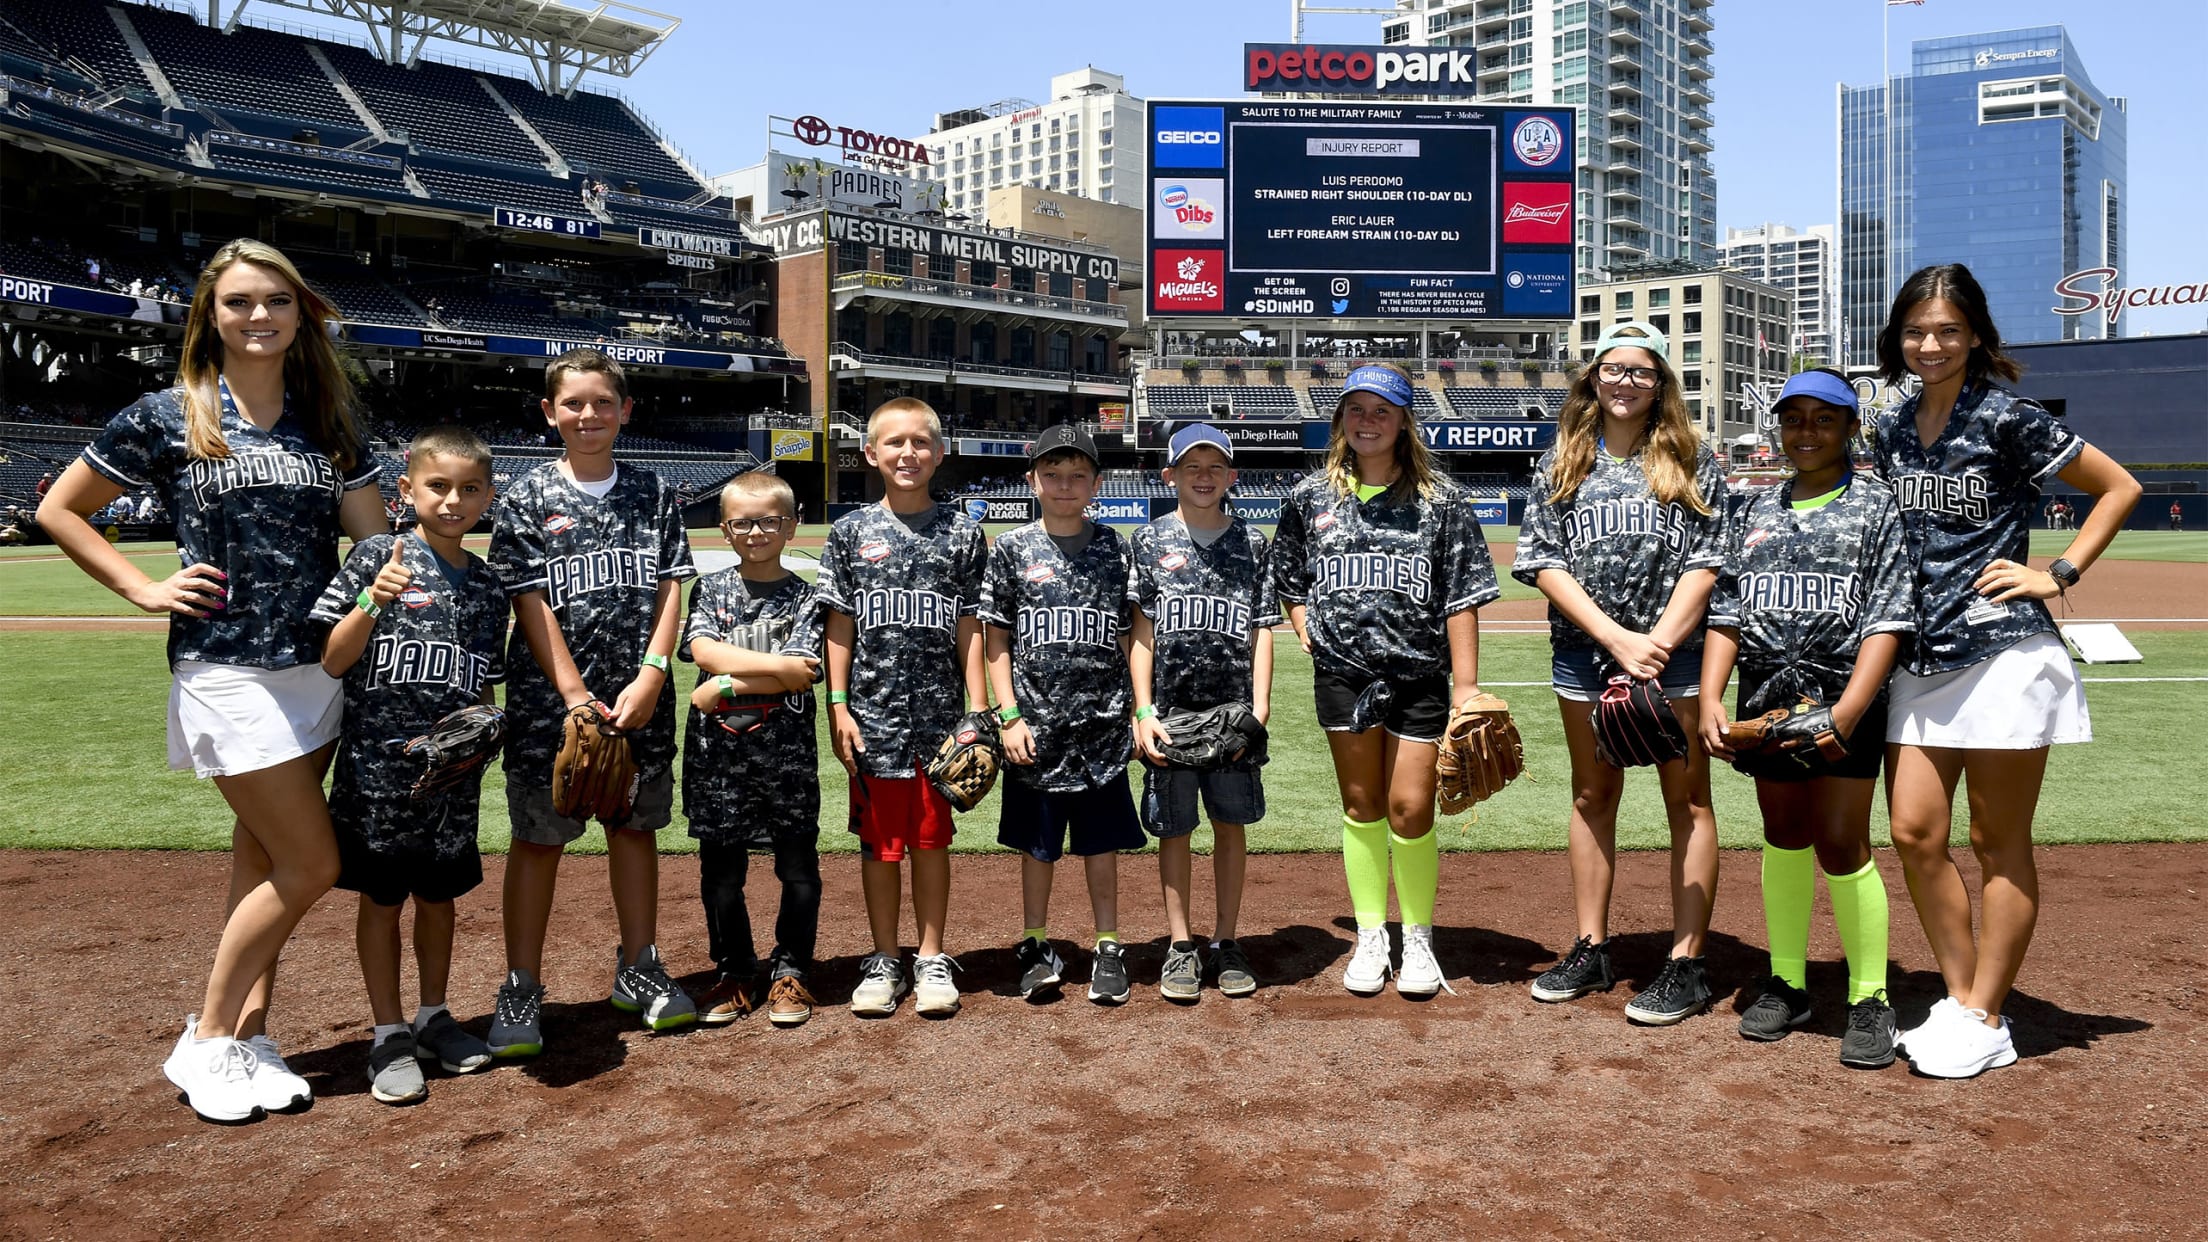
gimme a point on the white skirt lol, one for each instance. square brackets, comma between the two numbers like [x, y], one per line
[229, 719]
[2024, 698]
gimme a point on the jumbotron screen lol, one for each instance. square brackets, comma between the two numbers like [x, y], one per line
[1279, 209]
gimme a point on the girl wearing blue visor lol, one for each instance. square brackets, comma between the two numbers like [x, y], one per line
[1382, 568]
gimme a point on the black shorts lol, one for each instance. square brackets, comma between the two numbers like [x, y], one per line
[1866, 747]
[389, 877]
[1038, 822]
[1418, 712]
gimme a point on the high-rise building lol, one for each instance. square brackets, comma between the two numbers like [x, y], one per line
[1086, 140]
[1995, 150]
[1640, 72]
[1725, 332]
[1801, 261]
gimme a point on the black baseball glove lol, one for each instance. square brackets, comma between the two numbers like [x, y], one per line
[1635, 726]
[459, 743]
[965, 765]
[1213, 738]
[1787, 740]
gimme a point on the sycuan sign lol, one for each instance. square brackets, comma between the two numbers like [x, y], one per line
[2112, 300]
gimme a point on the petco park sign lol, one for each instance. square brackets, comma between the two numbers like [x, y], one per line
[2113, 301]
[860, 146]
[1358, 69]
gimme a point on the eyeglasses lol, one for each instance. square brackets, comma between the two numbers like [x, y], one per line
[1619, 373]
[765, 525]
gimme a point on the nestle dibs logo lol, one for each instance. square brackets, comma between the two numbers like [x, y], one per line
[1189, 209]
[1189, 280]
[1537, 142]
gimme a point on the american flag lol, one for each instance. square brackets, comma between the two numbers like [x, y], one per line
[1892, 3]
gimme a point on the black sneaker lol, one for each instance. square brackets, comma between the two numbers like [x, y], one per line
[1108, 974]
[1681, 990]
[1231, 967]
[1040, 968]
[1869, 1043]
[1780, 1009]
[1585, 969]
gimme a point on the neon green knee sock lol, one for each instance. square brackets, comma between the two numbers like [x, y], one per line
[1789, 888]
[1365, 860]
[1859, 907]
[1417, 876]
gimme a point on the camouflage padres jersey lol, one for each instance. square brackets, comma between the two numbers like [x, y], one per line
[1967, 502]
[904, 591]
[599, 562]
[266, 516]
[1623, 548]
[434, 650]
[749, 788]
[1380, 579]
[1202, 603]
[1069, 674]
[1805, 587]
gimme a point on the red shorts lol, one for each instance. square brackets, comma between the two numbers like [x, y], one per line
[893, 815]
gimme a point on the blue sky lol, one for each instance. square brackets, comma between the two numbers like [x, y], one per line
[890, 67]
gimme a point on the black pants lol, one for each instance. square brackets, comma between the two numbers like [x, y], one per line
[721, 872]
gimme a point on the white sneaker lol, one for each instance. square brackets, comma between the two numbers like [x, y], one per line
[934, 995]
[882, 984]
[1367, 971]
[1967, 1049]
[215, 1075]
[1948, 1007]
[274, 1084]
[1421, 973]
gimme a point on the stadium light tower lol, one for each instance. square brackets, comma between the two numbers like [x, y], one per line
[1297, 8]
[560, 41]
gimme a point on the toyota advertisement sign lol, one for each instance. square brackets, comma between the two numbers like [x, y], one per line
[1350, 210]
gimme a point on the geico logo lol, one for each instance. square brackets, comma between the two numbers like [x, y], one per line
[1206, 137]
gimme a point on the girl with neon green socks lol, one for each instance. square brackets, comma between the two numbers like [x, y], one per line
[1815, 601]
[1382, 568]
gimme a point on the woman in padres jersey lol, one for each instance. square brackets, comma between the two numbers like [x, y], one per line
[1988, 686]
[257, 454]
[1624, 534]
[1383, 567]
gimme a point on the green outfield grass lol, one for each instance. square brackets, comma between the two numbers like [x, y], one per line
[85, 765]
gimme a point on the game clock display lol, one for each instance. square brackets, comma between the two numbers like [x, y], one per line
[1321, 210]
[544, 222]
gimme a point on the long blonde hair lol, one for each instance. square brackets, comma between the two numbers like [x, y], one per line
[1668, 457]
[1415, 474]
[313, 379]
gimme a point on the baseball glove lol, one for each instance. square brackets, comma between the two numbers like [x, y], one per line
[1214, 737]
[594, 775]
[457, 745]
[1634, 725]
[1480, 753]
[965, 766]
[1785, 738]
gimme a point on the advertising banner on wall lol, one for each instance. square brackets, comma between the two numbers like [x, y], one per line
[1014, 509]
[1158, 432]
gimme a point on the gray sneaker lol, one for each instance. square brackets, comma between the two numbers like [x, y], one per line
[517, 1020]
[441, 1040]
[394, 1076]
[1182, 979]
[643, 988]
[882, 984]
[1232, 968]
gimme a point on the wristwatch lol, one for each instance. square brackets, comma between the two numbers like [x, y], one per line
[2064, 573]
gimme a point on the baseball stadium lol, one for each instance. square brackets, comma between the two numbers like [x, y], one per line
[835, 379]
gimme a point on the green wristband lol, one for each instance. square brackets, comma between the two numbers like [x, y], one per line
[1146, 711]
[726, 685]
[839, 696]
[656, 661]
[1006, 715]
[369, 605]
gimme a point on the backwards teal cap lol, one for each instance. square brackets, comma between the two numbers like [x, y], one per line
[1649, 339]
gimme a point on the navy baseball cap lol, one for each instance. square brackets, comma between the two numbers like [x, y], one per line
[1189, 437]
[1819, 386]
[1380, 382]
[1063, 437]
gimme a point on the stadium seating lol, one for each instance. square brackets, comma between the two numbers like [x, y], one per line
[1504, 403]
[598, 133]
[307, 169]
[441, 107]
[361, 298]
[488, 188]
[247, 70]
[1324, 397]
[83, 32]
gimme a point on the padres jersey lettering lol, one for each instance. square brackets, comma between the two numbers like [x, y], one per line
[1585, 525]
[212, 480]
[1838, 594]
[916, 610]
[1069, 674]
[1072, 627]
[394, 661]
[1203, 601]
[608, 569]
[1202, 614]
[1967, 497]
[1408, 576]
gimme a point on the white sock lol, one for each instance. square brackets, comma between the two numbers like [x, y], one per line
[424, 1014]
[1216, 943]
[386, 1032]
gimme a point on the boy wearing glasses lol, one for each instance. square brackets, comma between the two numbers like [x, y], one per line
[750, 765]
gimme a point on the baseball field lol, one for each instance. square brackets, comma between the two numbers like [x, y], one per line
[1302, 1111]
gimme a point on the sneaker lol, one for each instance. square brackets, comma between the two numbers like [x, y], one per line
[1869, 1043]
[1421, 972]
[1367, 971]
[1585, 969]
[1681, 990]
[1965, 1049]
[394, 1073]
[1040, 968]
[215, 1075]
[934, 995]
[788, 1003]
[882, 984]
[274, 1084]
[1947, 1007]
[517, 1019]
[1182, 978]
[642, 987]
[1780, 1009]
[1232, 968]
[454, 1050]
[727, 1000]
[1108, 983]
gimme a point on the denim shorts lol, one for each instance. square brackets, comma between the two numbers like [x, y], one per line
[1233, 795]
[1579, 673]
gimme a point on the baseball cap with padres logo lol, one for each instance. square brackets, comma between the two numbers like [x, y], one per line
[1065, 437]
[1189, 437]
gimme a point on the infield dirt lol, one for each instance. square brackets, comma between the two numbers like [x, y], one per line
[1302, 1112]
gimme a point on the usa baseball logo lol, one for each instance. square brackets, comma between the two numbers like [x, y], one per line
[1172, 560]
[1040, 573]
[874, 551]
[559, 524]
[416, 597]
[1323, 521]
[1537, 141]
[1756, 536]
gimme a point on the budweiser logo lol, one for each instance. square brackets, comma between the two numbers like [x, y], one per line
[1546, 215]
